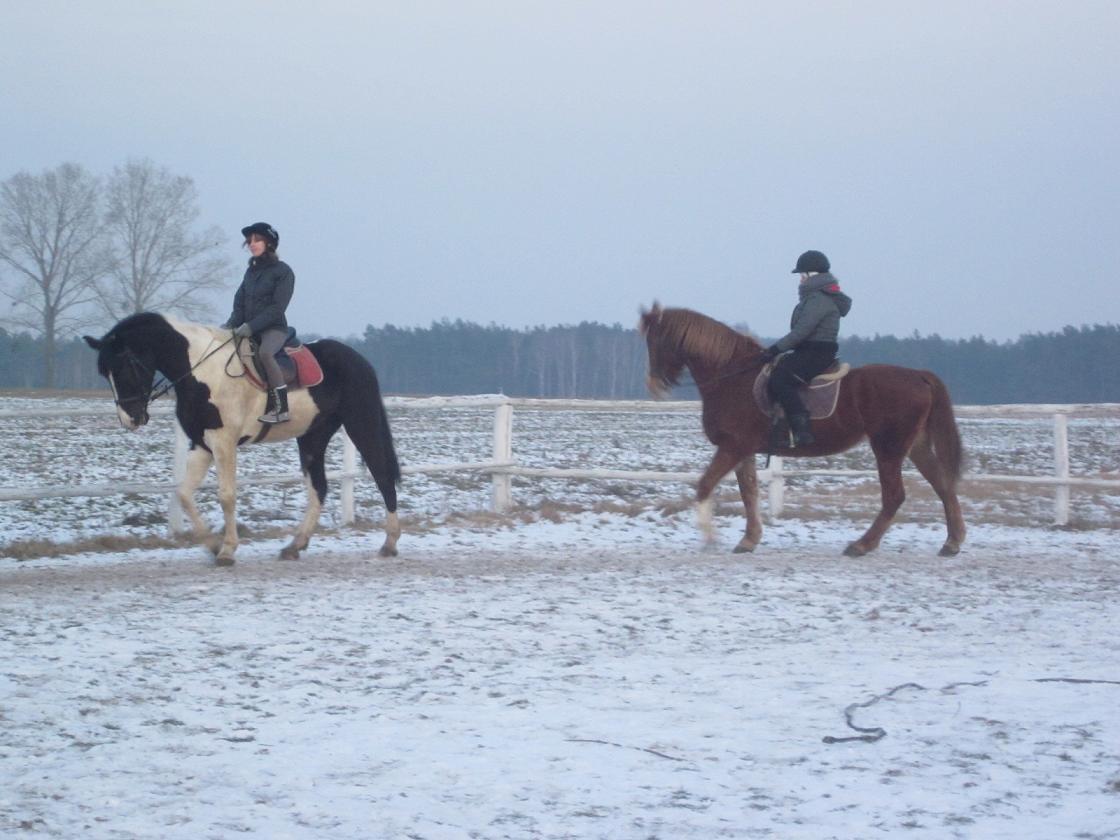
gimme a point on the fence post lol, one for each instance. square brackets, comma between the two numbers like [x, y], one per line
[777, 487]
[502, 489]
[1061, 470]
[178, 473]
[349, 470]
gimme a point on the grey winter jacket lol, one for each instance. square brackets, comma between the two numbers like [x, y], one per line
[817, 315]
[263, 296]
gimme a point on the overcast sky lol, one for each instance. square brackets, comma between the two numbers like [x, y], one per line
[541, 163]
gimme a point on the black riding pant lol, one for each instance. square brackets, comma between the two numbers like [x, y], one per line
[271, 342]
[798, 368]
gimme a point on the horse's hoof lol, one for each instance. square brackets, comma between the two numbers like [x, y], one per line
[291, 551]
[743, 548]
[854, 550]
[949, 550]
[387, 550]
[223, 560]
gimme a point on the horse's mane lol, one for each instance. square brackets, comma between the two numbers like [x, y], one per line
[138, 322]
[699, 335]
[149, 324]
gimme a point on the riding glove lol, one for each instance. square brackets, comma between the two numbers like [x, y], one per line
[244, 331]
[770, 353]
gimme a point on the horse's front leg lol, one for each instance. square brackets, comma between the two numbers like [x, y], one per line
[722, 463]
[747, 476]
[225, 459]
[198, 462]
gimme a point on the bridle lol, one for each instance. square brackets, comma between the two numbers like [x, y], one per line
[757, 363]
[148, 374]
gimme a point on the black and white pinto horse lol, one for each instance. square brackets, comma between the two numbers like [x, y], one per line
[217, 408]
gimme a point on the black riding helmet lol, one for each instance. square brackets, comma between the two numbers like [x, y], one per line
[264, 229]
[811, 261]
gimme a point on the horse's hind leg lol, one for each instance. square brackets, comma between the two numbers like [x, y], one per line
[924, 458]
[747, 476]
[312, 460]
[893, 495]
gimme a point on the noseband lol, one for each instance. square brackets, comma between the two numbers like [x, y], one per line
[144, 374]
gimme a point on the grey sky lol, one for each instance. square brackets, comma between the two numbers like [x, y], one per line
[539, 163]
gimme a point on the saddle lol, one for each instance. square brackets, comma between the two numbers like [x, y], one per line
[819, 396]
[298, 364]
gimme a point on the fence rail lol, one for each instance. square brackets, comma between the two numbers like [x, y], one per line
[502, 466]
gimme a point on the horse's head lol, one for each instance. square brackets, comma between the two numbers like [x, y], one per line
[131, 373]
[679, 338]
[665, 359]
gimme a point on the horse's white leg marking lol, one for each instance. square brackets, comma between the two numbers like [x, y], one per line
[392, 534]
[225, 457]
[198, 462]
[704, 520]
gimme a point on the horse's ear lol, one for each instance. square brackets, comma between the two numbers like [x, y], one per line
[92, 342]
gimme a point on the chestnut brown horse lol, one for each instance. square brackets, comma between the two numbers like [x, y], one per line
[901, 411]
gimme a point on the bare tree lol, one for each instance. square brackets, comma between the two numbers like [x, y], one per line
[160, 263]
[51, 245]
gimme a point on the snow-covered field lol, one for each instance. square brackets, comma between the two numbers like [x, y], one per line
[599, 677]
[558, 673]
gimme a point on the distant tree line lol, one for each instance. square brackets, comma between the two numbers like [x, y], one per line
[593, 360]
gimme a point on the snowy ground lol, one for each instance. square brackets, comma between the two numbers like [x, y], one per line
[600, 676]
[580, 668]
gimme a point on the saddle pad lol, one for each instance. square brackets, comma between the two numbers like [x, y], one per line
[305, 373]
[819, 396]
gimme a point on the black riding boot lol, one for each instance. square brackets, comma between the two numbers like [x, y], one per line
[276, 410]
[779, 435]
[282, 415]
[802, 435]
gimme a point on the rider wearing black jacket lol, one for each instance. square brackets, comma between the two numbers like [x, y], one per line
[258, 311]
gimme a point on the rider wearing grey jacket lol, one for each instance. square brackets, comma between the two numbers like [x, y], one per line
[814, 327]
[258, 311]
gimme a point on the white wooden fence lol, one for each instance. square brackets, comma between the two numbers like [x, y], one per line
[502, 466]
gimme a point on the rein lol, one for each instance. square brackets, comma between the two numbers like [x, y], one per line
[755, 364]
[153, 393]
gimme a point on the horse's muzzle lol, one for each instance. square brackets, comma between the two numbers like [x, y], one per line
[133, 422]
[657, 388]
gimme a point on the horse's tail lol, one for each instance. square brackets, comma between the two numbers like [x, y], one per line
[392, 466]
[369, 393]
[943, 431]
[364, 416]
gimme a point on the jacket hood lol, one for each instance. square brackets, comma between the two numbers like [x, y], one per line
[827, 283]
